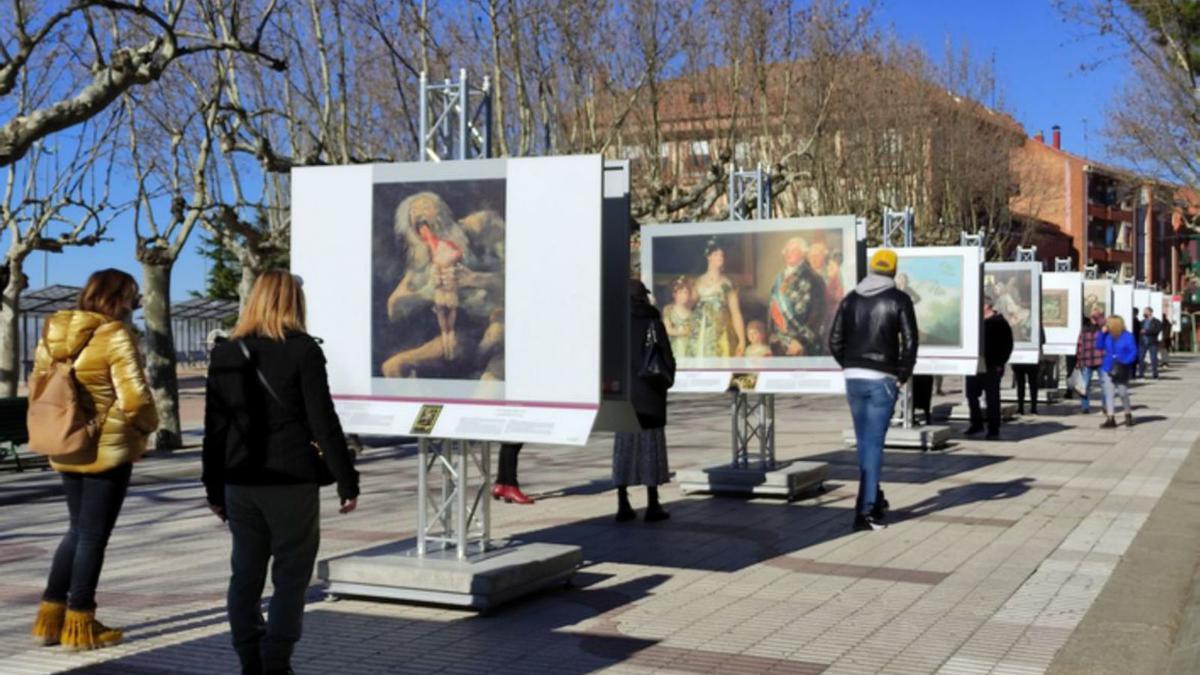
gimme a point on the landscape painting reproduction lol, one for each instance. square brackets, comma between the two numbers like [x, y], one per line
[935, 284]
[1055, 308]
[766, 294]
[438, 280]
[1011, 292]
[1096, 297]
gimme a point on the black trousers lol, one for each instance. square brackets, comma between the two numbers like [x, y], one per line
[506, 473]
[93, 502]
[1022, 373]
[278, 524]
[922, 391]
[988, 384]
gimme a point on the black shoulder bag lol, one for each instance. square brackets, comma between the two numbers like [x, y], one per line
[324, 475]
[656, 368]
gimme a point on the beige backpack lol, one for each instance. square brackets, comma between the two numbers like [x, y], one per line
[62, 418]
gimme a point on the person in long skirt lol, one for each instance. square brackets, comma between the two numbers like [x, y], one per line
[640, 457]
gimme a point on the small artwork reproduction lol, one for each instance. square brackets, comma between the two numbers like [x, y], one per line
[766, 294]
[1012, 296]
[935, 284]
[1096, 297]
[438, 280]
[1055, 308]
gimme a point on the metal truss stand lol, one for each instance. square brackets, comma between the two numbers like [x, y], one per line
[898, 228]
[453, 560]
[1026, 254]
[455, 119]
[1062, 265]
[754, 469]
[904, 432]
[745, 186]
[1091, 272]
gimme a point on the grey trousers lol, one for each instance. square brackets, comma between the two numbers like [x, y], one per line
[279, 522]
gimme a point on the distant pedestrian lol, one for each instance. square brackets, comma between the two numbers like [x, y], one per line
[997, 348]
[874, 340]
[101, 352]
[271, 439]
[1120, 354]
[1148, 344]
[507, 487]
[640, 457]
[1088, 357]
[1028, 373]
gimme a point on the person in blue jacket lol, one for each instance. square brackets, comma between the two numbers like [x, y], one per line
[1120, 355]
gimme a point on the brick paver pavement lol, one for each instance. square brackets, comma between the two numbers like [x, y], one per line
[996, 552]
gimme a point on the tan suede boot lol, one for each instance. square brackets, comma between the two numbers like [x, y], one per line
[82, 631]
[48, 625]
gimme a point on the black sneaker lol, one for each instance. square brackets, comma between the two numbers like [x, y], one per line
[972, 430]
[879, 512]
[868, 522]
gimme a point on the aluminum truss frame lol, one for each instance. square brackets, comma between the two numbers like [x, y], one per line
[455, 119]
[744, 185]
[754, 431]
[454, 515]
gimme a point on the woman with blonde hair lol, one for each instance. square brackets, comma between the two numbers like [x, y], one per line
[96, 341]
[1120, 354]
[271, 439]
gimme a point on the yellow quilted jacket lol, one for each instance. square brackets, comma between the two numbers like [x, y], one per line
[108, 365]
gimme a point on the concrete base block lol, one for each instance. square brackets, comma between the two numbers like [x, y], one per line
[961, 413]
[916, 438]
[788, 481]
[394, 572]
[1045, 396]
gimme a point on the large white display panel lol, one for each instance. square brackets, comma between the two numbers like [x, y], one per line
[750, 302]
[456, 299]
[1062, 311]
[1123, 303]
[946, 285]
[1156, 304]
[1141, 300]
[1015, 290]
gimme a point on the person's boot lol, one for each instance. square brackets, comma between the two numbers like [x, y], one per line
[654, 510]
[1109, 423]
[879, 512]
[48, 624]
[625, 510]
[867, 522]
[512, 494]
[81, 631]
[1128, 419]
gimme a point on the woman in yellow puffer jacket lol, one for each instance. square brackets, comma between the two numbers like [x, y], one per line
[104, 351]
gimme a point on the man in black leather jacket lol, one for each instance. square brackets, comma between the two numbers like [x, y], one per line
[874, 340]
[997, 348]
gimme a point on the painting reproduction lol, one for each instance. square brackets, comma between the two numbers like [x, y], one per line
[438, 280]
[1096, 297]
[1055, 308]
[935, 284]
[1011, 293]
[761, 294]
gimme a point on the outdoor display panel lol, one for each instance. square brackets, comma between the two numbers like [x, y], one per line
[456, 299]
[946, 286]
[1015, 291]
[1156, 304]
[1141, 300]
[1062, 311]
[1097, 296]
[1177, 314]
[753, 299]
[1122, 306]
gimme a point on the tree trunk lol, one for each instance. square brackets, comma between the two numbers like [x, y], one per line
[249, 275]
[160, 351]
[10, 335]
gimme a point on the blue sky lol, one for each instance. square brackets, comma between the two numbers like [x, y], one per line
[1039, 61]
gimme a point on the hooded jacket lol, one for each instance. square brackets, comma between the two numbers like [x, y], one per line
[109, 367]
[876, 327]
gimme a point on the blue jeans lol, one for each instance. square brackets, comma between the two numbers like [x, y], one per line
[1151, 349]
[1086, 375]
[871, 405]
[93, 503]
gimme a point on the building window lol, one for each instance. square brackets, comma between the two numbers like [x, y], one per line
[698, 156]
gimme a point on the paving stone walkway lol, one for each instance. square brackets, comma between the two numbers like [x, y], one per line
[996, 551]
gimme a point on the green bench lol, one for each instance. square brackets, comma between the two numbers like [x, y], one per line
[14, 434]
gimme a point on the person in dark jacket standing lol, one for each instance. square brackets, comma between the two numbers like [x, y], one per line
[1148, 344]
[640, 457]
[997, 347]
[874, 340]
[271, 439]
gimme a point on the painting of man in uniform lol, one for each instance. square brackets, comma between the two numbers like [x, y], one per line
[1011, 292]
[758, 295]
[935, 284]
[438, 280]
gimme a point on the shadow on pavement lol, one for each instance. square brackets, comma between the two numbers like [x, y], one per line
[963, 494]
[905, 466]
[514, 640]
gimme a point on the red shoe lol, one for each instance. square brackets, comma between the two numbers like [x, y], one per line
[497, 491]
[512, 494]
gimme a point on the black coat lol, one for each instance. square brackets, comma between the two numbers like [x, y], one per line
[250, 438]
[878, 332]
[997, 342]
[649, 400]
